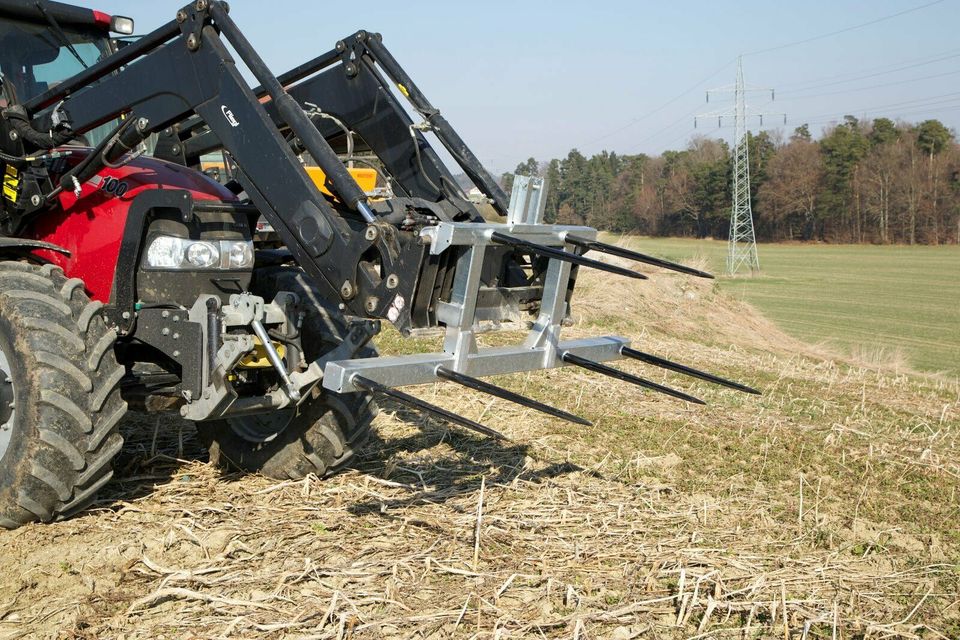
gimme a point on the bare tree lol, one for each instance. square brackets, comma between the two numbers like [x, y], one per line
[794, 178]
[880, 168]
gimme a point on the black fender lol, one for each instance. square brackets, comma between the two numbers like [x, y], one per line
[17, 246]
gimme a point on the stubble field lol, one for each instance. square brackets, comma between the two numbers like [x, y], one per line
[828, 507]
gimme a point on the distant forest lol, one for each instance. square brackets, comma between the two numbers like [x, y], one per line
[878, 182]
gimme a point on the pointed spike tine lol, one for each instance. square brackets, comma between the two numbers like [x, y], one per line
[506, 394]
[449, 416]
[596, 367]
[657, 361]
[633, 255]
[560, 254]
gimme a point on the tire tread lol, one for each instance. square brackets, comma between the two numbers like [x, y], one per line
[73, 378]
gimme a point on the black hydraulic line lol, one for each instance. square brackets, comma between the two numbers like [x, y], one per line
[126, 141]
[18, 118]
[109, 64]
[500, 392]
[343, 183]
[679, 368]
[376, 387]
[110, 149]
[560, 254]
[444, 131]
[633, 255]
[596, 367]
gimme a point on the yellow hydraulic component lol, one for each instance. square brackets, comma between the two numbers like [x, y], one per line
[11, 183]
[257, 359]
[365, 177]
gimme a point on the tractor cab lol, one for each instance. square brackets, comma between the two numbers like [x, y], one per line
[35, 57]
[42, 43]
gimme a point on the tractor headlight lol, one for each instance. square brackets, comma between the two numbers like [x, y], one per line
[167, 252]
[239, 255]
[202, 255]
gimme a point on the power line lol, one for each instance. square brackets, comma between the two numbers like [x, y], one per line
[945, 98]
[844, 30]
[790, 96]
[908, 104]
[684, 118]
[919, 111]
[724, 66]
[909, 64]
[832, 117]
[686, 134]
[917, 106]
[899, 67]
[658, 109]
[880, 71]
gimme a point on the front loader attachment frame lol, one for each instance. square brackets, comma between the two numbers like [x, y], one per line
[542, 348]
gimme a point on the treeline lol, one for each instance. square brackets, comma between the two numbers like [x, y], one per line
[878, 181]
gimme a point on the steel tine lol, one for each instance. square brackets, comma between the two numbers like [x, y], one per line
[633, 255]
[560, 254]
[500, 392]
[376, 387]
[679, 368]
[590, 365]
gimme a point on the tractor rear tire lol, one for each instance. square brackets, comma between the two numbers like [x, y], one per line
[60, 397]
[325, 432]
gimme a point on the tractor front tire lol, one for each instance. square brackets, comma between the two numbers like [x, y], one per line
[319, 437]
[59, 397]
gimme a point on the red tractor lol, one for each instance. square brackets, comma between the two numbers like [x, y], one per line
[128, 277]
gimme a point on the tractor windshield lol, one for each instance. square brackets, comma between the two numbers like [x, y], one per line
[35, 57]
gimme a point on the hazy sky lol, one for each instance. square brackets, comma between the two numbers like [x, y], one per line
[521, 79]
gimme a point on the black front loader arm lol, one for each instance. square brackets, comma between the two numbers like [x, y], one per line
[184, 68]
[353, 81]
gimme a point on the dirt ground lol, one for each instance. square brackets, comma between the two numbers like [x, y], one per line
[828, 507]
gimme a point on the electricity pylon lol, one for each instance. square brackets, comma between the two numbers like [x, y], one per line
[742, 244]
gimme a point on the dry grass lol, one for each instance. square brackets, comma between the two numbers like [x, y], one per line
[827, 508]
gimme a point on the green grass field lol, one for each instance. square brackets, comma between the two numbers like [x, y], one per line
[875, 300]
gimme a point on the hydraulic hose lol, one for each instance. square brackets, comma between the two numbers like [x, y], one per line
[125, 137]
[18, 118]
